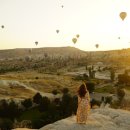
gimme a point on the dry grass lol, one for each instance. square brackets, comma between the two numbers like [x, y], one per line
[44, 83]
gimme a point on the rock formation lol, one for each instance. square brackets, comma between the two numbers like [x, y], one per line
[99, 119]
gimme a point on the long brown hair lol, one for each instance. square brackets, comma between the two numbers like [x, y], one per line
[82, 90]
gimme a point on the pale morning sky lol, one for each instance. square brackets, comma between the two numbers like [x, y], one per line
[96, 21]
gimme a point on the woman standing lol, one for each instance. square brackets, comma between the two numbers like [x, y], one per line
[83, 104]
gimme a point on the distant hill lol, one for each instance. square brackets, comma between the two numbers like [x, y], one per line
[60, 51]
[68, 56]
[39, 52]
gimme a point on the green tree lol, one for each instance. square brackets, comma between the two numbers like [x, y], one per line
[6, 124]
[66, 105]
[27, 103]
[3, 108]
[90, 72]
[55, 92]
[120, 94]
[85, 76]
[74, 104]
[86, 67]
[112, 75]
[65, 90]
[95, 102]
[44, 104]
[108, 99]
[37, 98]
[90, 86]
[13, 110]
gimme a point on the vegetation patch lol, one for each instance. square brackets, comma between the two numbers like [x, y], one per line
[106, 89]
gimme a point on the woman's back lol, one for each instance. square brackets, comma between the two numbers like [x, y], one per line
[83, 108]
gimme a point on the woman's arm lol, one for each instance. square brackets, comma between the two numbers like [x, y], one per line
[88, 97]
[79, 99]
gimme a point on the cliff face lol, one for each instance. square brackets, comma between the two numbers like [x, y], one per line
[99, 119]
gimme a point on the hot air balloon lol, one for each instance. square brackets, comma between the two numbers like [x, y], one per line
[74, 40]
[2, 26]
[57, 31]
[62, 6]
[36, 42]
[123, 15]
[119, 38]
[77, 35]
[97, 45]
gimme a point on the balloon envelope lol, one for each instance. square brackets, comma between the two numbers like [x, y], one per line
[2, 26]
[123, 15]
[36, 43]
[57, 31]
[74, 40]
[97, 45]
[77, 35]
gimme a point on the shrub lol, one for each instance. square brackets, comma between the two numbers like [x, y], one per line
[44, 104]
[37, 98]
[95, 102]
[65, 90]
[108, 99]
[74, 104]
[37, 123]
[66, 105]
[27, 103]
[90, 86]
[54, 92]
[120, 94]
[36, 77]
[6, 124]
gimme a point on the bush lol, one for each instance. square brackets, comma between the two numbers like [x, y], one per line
[66, 105]
[65, 90]
[37, 123]
[108, 99]
[44, 104]
[13, 110]
[120, 94]
[90, 86]
[3, 108]
[74, 104]
[95, 102]
[36, 77]
[37, 98]
[55, 92]
[112, 74]
[115, 104]
[78, 77]
[6, 124]
[123, 78]
[9, 110]
[27, 103]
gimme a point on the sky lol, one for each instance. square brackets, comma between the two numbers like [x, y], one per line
[96, 21]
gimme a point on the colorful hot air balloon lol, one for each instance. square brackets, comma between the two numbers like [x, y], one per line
[123, 15]
[74, 40]
[57, 31]
[36, 43]
[97, 45]
[77, 35]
